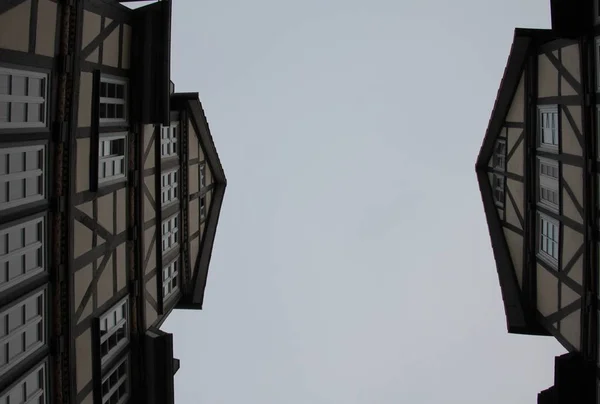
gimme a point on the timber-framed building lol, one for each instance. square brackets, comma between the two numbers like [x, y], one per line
[110, 194]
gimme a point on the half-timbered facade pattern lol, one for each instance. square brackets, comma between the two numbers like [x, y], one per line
[97, 195]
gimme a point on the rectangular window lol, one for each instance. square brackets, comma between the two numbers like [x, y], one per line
[549, 239]
[202, 176]
[597, 52]
[500, 155]
[549, 129]
[31, 389]
[168, 140]
[21, 252]
[169, 187]
[113, 100]
[115, 385]
[21, 175]
[23, 97]
[111, 157]
[202, 207]
[170, 228]
[548, 183]
[22, 330]
[170, 279]
[114, 332]
[498, 190]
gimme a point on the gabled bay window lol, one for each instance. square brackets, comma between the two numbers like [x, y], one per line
[23, 98]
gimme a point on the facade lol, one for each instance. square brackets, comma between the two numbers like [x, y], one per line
[538, 173]
[110, 195]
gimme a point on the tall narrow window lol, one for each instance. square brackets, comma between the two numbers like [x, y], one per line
[22, 98]
[170, 279]
[549, 128]
[202, 207]
[21, 252]
[115, 385]
[114, 332]
[31, 389]
[111, 157]
[21, 175]
[168, 140]
[169, 187]
[113, 100]
[170, 227]
[549, 236]
[202, 176]
[498, 187]
[548, 183]
[500, 155]
[22, 330]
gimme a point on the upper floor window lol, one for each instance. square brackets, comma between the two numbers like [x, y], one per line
[170, 227]
[548, 183]
[498, 186]
[113, 100]
[115, 385]
[202, 175]
[202, 207]
[549, 236]
[21, 252]
[170, 279]
[23, 97]
[22, 330]
[549, 129]
[111, 157]
[169, 187]
[500, 154]
[21, 175]
[168, 140]
[30, 389]
[114, 332]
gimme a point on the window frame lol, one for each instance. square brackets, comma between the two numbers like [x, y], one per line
[548, 109]
[549, 183]
[102, 338]
[27, 99]
[541, 253]
[173, 187]
[170, 232]
[496, 188]
[169, 142]
[500, 157]
[109, 79]
[113, 136]
[43, 178]
[43, 365]
[109, 373]
[43, 324]
[169, 278]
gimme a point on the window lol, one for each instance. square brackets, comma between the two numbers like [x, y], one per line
[21, 175]
[548, 123]
[202, 176]
[548, 183]
[31, 389]
[498, 190]
[168, 140]
[169, 187]
[597, 52]
[114, 332]
[115, 385]
[22, 98]
[113, 100]
[22, 330]
[170, 279]
[169, 233]
[111, 157]
[202, 207]
[21, 252]
[500, 155]
[549, 239]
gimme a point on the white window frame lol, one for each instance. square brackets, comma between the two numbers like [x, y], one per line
[27, 99]
[115, 101]
[112, 330]
[120, 381]
[170, 236]
[171, 272]
[104, 160]
[500, 157]
[8, 258]
[499, 188]
[548, 183]
[21, 384]
[169, 192]
[551, 257]
[168, 140]
[555, 135]
[16, 335]
[6, 179]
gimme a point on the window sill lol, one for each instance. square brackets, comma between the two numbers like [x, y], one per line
[547, 259]
[548, 206]
[111, 181]
[548, 149]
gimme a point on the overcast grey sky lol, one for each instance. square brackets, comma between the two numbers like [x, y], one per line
[352, 263]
